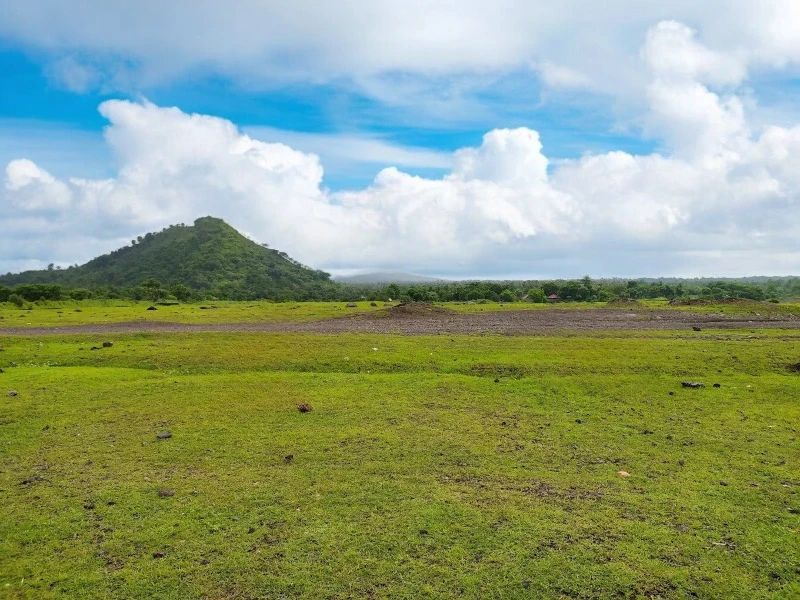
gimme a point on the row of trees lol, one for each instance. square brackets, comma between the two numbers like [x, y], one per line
[580, 290]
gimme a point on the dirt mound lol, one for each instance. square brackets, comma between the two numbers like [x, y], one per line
[418, 309]
[704, 302]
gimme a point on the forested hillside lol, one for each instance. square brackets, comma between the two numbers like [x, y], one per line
[210, 258]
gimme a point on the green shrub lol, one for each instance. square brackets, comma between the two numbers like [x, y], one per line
[17, 300]
[537, 296]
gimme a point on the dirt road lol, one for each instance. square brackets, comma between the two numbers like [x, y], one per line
[427, 320]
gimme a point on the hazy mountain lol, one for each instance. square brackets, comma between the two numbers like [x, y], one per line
[387, 277]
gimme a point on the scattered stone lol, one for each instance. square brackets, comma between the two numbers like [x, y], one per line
[164, 435]
[373, 304]
[94, 348]
[696, 328]
[110, 503]
[672, 393]
[158, 555]
[288, 458]
[12, 393]
[89, 505]
[304, 407]
[108, 344]
[692, 384]
[682, 462]
[682, 528]
[716, 385]
[578, 421]
[151, 308]
[166, 493]
[623, 474]
[723, 483]
[351, 305]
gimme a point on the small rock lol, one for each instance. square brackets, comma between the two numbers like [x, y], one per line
[716, 385]
[623, 474]
[682, 462]
[351, 305]
[692, 384]
[164, 435]
[578, 421]
[672, 393]
[166, 493]
[373, 304]
[723, 483]
[696, 328]
[108, 344]
[12, 393]
[89, 505]
[304, 407]
[682, 528]
[288, 458]
[158, 555]
[151, 308]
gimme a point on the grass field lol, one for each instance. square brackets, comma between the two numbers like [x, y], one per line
[115, 311]
[430, 467]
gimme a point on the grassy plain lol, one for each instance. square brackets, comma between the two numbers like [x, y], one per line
[430, 467]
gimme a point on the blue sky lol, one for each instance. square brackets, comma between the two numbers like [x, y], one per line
[474, 139]
[43, 120]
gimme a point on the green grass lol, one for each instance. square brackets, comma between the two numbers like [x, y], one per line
[114, 311]
[415, 476]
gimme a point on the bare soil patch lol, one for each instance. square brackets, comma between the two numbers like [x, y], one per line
[426, 319]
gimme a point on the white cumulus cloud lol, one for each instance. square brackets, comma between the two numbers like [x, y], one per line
[720, 198]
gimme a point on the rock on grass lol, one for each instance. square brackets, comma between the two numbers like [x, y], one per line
[692, 384]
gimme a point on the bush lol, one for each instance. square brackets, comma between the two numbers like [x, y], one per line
[17, 300]
[536, 295]
[80, 294]
[507, 296]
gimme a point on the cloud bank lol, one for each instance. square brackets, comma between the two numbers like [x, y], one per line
[720, 199]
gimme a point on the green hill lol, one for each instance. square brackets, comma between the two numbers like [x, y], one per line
[210, 257]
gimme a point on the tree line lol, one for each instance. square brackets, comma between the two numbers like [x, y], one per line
[579, 290]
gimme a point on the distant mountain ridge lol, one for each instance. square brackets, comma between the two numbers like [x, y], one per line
[387, 277]
[209, 256]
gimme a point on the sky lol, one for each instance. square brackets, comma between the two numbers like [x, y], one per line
[460, 139]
